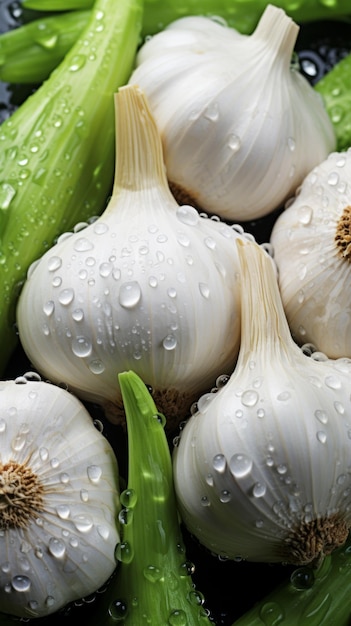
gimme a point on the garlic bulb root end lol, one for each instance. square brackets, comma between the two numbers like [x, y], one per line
[342, 234]
[312, 541]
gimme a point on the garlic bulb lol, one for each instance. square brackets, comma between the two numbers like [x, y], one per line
[311, 246]
[240, 126]
[58, 500]
[262, 469]
[149, 286]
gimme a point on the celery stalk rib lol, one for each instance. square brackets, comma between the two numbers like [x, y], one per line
[153, 583]
[31, 52]
[57, 149]
[243, 15]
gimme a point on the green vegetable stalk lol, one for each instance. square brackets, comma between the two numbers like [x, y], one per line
[57, 150]
[30, 52]
[153, 583]
[335, 89]
[311, 597]
[243, 14]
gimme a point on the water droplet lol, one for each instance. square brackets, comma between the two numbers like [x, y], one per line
[333, 382]
[210, 243]
[96, 366]
[211, 112]
[56, 547]
[240, 465]
[2, 425]
[63, 511]
[81, 346]
[234, 142]
[204, 290]
[124, 552]
[205, 501]
[258, 490]
[321, 436]
[271, 614]
[169, 342]
[77, 62]
[225, 496]
[129, 294]
[128, 498]
[84, 495]
[177, 617]
[152, 573]
[49, 308]
[83, 245]
[187, 215]
[291, 144]
[7, 193]
[249, 398]
[284, 396]
[94, 473]
[339, 407]
[118, 611]
[100, 228]
[83, 523]
[78, 315]
[66, 296]
[302, 578]
[125, 516]
[54, 263]
[333, 179]
[219, 463]
[305, 214]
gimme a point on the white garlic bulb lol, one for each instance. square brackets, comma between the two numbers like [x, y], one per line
[240, 125]
[149, 286]
[59, 500]
[311, 247]
[262, 469]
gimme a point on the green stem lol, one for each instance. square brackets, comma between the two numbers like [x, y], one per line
[57, 150]
[153, 584]
[335, 89]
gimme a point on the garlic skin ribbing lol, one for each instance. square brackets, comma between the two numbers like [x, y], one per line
[59, 487]
[240, 126]
[150, 286]
[262, 469]
[311, 247]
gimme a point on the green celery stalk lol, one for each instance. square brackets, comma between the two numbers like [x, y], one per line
[335, 89]
[310, 597]
[57, 150]
[243, 14]
[29, 53]
[153, 583]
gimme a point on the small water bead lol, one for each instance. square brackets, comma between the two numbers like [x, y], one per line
[124, 552]
[125, 516]
[333, 382]
[271, 614]
[169, 342]
[284, 396]
[302, 578]
[3, 426]
[249, 398]
[82, 244]
[219, 463]
[333, 178]
[128, 498]
[54, 263]
[204, 290]
[78, 315]
[100, 228]
[63, 511]
[66, 296]
[305, 214]
[81, 346]
[187, 568]
[97, 366]
[222, 380]
[187, 215]
[321, 436]
[56, 547]
[339, 408]
[234, 142]
[21, 583]
[118, 611]
[57, 281]
[225, 496]
[94, 473]
[183, 240]
[152, 573]
[129, 294]
[240, 465]
[83, 523]
[259, 490]
[177, 618]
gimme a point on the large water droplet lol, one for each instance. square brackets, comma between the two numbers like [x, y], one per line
[240, 465]
[249, 398]
[169, 342]
[81, 346]
[129, 294]
[21, 583]
[187, 215]
[56, 547]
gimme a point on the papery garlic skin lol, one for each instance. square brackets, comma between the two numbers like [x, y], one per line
[150, 286]
[262, 469]
[59, 486]
[311, 247]
[240, 127]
